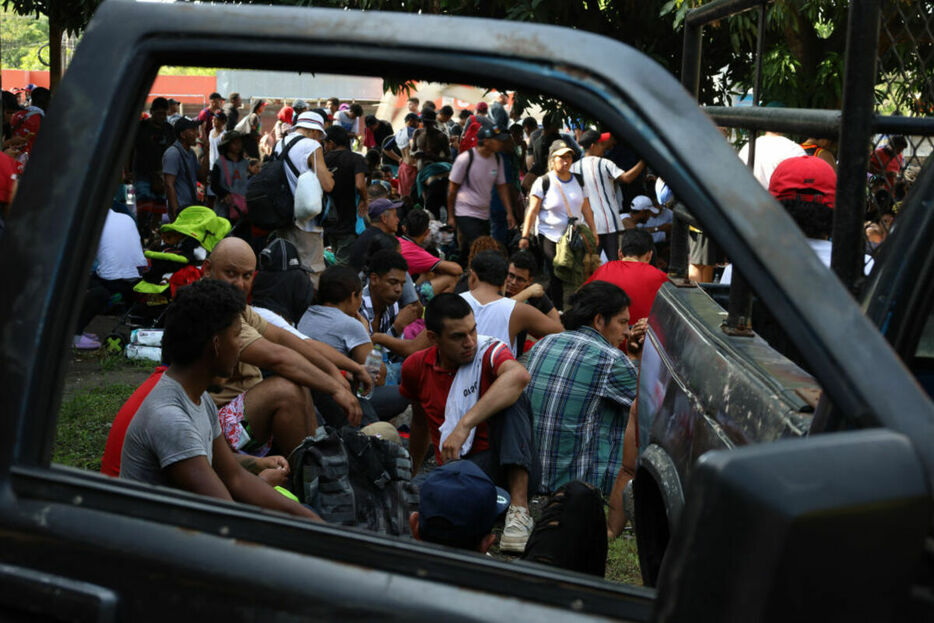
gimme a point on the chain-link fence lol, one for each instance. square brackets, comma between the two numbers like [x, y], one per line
[904, 88]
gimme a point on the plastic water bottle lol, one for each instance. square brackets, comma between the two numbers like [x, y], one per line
[373, 365]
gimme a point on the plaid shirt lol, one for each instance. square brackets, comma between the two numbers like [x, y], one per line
[581, 391]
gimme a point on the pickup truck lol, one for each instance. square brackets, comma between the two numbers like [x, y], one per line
[775, 531]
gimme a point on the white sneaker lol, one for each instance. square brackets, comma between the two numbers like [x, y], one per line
[517, 530]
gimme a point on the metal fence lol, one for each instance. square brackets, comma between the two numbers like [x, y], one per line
[888, 91]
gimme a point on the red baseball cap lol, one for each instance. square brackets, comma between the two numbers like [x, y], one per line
[805, 177]
[482, 107]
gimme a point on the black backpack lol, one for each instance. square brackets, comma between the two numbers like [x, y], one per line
[353, 479]
[269, 199]
[546, 183]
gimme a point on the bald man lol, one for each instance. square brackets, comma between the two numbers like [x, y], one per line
[255, 411]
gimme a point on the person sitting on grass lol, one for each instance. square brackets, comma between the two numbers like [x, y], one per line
[175, 439]
[467, 399]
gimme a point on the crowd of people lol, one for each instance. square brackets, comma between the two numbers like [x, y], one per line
[498, 269]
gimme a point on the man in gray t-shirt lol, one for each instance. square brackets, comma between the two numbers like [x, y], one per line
[167, 428]
[175, 437]
[181, 168]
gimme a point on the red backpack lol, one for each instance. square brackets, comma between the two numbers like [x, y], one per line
[469, 138]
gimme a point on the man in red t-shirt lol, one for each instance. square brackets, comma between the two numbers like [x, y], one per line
[633, 273]
[467, 396]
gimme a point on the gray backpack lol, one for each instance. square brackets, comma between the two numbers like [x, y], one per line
[353, 479]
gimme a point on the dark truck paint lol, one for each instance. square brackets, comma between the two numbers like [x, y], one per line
[84, 547]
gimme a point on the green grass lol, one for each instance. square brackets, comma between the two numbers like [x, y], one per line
[84, 422]
[622, 560]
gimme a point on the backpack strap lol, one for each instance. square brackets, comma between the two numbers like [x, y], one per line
[469, 164]
[286, 148]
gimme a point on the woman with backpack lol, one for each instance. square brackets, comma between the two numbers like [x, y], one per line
[555, 198]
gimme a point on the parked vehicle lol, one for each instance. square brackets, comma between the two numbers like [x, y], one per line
[80, 546]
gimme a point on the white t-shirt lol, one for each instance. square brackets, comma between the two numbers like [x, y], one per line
[215, 141]
[493, 318]
[770, 151]
[120, 250]
[278, 321]
[553, 216]
[299, 154]
[600, 175]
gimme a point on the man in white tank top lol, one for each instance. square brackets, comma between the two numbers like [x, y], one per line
[496, 315]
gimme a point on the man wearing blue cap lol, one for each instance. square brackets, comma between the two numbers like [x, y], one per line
[384, 221]
[458, 506]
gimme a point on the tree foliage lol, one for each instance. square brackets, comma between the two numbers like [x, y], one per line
[22, 38]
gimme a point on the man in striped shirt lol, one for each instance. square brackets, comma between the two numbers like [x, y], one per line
[600, 176]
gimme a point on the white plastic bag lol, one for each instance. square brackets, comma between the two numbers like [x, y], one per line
[308, 196]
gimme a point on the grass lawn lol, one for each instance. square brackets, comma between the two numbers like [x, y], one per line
[84, 422]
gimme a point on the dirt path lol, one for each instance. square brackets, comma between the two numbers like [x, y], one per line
[88, 369]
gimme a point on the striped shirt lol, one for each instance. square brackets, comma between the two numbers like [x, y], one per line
[581, 390]
[600, 175]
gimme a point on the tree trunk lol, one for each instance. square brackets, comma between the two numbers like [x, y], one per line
[55, 49]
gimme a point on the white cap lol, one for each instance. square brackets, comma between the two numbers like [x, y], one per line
[311, 121]
[641, 202]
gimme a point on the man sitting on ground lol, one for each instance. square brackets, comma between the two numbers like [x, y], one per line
[253, 410]
[458, 505]
[522, 288]
[424, 266]
[175, 438]
[581, 389]
[383, 221]
[633, 273]
[496, 315]
[466, 394]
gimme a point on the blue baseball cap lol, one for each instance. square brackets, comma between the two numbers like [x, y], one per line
[464, 495]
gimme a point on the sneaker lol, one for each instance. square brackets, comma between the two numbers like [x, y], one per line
[92, 336]
[517, 529]
[83, 342]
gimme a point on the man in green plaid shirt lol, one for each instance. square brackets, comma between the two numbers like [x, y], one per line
[581, 389]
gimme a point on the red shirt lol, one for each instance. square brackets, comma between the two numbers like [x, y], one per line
[26, 123]
[424, 381]
[639, 280]
[419, 260]
[110, 462]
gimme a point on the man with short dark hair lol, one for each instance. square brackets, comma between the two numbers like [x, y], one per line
[496, 315]
[581, 389]
[522, 288]
[380, 301]
[206, 116]
[153, 136]
[381, 131]
[467, 399]
[498, 110]
[350, 120]
[333, 105]
[175, 437]
[232, 110]
[633, 273]
[182, 169]
[412, 104]
[446, 119]
[475, 173]
[348, 196]
[384, 220]
[457, 507]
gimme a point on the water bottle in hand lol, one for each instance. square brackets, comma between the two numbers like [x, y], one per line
[373, 365]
